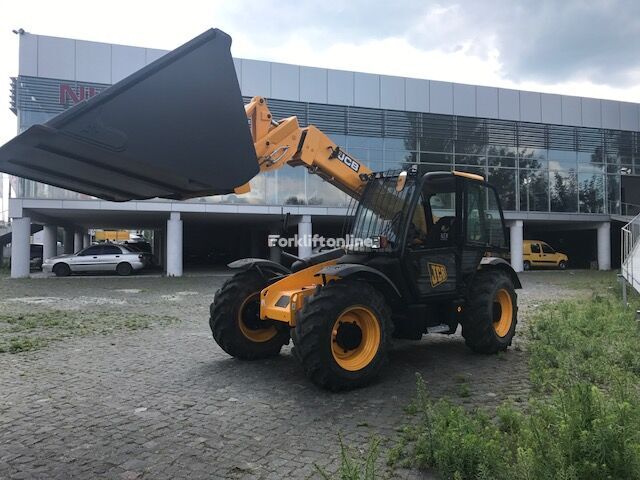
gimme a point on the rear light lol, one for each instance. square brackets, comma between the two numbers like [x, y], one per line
[140, 256]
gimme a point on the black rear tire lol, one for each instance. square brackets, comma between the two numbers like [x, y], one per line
[526, 266]
[487, 325]
[318, 335]
[61, 270]
[235, 322]
[124, 269]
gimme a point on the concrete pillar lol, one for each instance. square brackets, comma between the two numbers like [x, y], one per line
[49, 241]
[86, 240]
[304, 236]
[604, 246]
[174, 245]
[20, 247]
[77, 241]
[515, 231]
[67, 240]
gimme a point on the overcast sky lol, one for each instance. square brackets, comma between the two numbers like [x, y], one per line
[589, 48]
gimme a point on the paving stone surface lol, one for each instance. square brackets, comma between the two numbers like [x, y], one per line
[167, 402]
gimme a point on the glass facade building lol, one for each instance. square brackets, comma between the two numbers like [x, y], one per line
[536, 167]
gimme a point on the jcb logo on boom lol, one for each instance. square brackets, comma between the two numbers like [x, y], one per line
[348, 161]
[438, 274]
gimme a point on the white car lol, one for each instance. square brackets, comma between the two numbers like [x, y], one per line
[97, 258]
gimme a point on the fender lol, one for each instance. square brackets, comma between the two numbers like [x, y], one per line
[344, 270]
[259, 264]
[502, 264]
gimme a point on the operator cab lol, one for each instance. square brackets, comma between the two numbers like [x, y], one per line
[432, 229]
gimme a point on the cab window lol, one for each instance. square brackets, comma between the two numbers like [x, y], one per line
[435, 215]
[535, 248]
[111, 250]
[484, 223]
[547, 249]
[95, 250]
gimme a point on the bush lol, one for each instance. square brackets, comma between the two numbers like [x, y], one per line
[355, 466]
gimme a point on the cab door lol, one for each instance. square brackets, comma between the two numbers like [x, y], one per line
[430, 251]
[549, 257]
[86, 260]
[536, 254]
[109, 257]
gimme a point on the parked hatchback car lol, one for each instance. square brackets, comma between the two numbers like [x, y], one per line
[536, 253]
[96, 258]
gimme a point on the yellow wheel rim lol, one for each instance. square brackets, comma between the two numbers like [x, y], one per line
[355, 338]
[249, 321]
[502, 312]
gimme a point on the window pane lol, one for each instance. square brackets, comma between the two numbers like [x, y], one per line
[358, 141]
[484, 224]
[501, 151]
[436, 144]
[564, 191]
[562, 160]
[340, 140]
[547, 249]
[534, 194]
[96, 250]
[399, 143]
[504, 180]
[613, 194]
[590, 157]
[470, 160]
[533, 158]
[535, 248]
[320, 192]
[291, 186]
[427, 157]
[470, 148]
[591, 167]
[501, 161]
[394, 158]
[591, 193]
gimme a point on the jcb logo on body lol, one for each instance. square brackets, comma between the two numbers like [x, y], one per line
[438, 273]
[348, 161]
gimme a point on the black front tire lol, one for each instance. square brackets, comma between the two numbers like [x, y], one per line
[314, 335]
[562, 265]
[61, 270]
[230, 331]
[479, 328]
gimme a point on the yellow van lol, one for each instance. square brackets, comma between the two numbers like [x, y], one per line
[536, 253]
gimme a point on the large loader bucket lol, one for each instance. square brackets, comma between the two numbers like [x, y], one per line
[175, 129]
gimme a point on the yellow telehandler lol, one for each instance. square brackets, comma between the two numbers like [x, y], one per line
[426, 251]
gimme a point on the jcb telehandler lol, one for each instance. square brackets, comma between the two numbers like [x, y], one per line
[425, 252]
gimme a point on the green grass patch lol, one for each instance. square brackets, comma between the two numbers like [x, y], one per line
[21, 332]
[355, 465]
[581, 422]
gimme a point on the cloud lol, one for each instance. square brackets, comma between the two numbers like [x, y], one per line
[545, 41]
